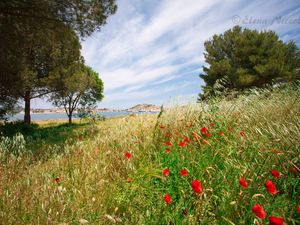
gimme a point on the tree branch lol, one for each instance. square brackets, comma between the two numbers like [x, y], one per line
[74, 105]
[41, 94]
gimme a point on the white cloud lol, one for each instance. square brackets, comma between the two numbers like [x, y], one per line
[142, 52]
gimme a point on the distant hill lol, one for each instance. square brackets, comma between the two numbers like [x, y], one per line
[144, 107]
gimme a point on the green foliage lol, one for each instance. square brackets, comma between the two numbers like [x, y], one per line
[39, 44]
[93, 172]
[248, 58]
[81, 89]
[32, 52]
[87, 113]
[82, 16]
[263, 115]
[7, 104]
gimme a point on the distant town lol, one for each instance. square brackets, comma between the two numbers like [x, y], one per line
[136, 108]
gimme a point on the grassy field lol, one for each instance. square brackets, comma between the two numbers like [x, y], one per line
[140, 169]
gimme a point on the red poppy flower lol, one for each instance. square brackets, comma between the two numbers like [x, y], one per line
[187, 140]
[259, 211]
[212, 124]
[184, 173]
[204, 130]
[168, 150]
[182, 143]
[128, 155]
[275, 173]
[177, 133]
[243, 182]
[162, 127]
[168, 199]
[208, 134]
[168, 143]
[242, 133]
[129, 180]
[57, 180]
[275, 220]
[271, 187]
[166, 172]
[298, 208]
[221, 133]
[229, 129]
[196, 185]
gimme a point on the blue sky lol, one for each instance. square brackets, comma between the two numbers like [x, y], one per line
[151, 51]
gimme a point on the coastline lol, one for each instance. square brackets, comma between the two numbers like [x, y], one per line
[63, 116]
[109, 111]
[150, 108]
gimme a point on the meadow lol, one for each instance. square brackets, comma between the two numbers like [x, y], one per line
[206, 163]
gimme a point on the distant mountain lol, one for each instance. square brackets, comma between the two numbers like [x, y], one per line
[144, 107]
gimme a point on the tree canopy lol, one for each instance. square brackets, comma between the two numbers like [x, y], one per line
[84, 16]
[243, 58]
[82, 88]
[39, 41]
[32, 59]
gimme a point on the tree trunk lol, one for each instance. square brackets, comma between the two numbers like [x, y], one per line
[27, 117]
[70, 118]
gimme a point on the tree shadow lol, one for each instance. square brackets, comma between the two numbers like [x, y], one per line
[43, 141]
[36, 131]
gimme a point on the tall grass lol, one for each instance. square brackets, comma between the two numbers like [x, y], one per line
[98, 184]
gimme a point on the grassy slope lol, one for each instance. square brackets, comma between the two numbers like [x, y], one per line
[93, 171]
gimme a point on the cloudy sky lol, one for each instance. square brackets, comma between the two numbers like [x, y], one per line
[151, 51]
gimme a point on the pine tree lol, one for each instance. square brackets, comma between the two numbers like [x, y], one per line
[248, 58]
